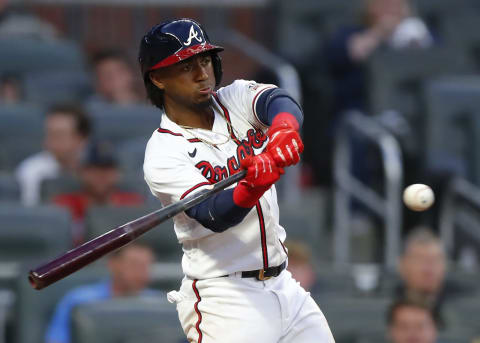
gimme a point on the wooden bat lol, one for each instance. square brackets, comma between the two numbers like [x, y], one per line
[98, 247]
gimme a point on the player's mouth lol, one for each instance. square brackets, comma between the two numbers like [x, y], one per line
[206, 90]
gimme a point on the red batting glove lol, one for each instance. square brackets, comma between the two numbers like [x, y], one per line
[285, 144]
[262, 173]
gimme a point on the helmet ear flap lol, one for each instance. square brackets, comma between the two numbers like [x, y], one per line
[217, 68]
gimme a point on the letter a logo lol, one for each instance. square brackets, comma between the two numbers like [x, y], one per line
[193, 34]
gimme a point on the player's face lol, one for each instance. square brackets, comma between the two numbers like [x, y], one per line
[189, 82]
[424, 267]
[412, 325]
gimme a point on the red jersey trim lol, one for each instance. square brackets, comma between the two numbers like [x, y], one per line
[194, 188]
[199, 315]
[263, 236]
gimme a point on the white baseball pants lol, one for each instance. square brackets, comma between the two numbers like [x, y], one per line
[244, 310]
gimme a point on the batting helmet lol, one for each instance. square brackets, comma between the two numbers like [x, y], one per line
[174, 41]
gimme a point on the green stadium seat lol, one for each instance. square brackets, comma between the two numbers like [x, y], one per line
[396, 77]
[127, 320]
[55, 86]
[50, 188]
[121, 123]
[16, 124]
[9, 189]
[452, 111]
[307, 220]
[131, 154]
[20, 56]
[352, 317]
[161, 238]
[34, 309]
[33, 234]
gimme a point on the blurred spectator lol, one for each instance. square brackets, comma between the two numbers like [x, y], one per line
[385, 23]
[114, 80]
[423, 268]
[14, 24]
[99, 176]
[10, 90]
[129, 270]
[300, 264]
[67, 129]
[411, 322]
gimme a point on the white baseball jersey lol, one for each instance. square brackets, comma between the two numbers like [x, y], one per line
[180, 161]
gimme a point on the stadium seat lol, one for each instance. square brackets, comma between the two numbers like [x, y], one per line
[34, 309]
[21, 56]
[9, 189]
[121, 123]
[33, 234]
[55, 86]
[396, 77]
[16, 124]
[162, 238]
[127, 320]
[131, 154]
[352, 317]
[307, 222]
[50, 188]
[452, 111]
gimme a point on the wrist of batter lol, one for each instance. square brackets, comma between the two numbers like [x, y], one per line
[285, 117]
[246, 196]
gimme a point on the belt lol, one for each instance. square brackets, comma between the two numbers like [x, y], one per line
[264, 274]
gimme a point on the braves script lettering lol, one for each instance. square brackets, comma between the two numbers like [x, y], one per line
[254, 140]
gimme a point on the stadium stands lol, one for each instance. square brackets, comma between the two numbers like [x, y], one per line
[127, 320]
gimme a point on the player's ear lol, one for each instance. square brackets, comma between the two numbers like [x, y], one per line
[156, 80]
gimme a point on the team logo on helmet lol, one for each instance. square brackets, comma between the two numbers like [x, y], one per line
[193, 35]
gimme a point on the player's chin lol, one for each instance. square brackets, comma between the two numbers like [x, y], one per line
[205, 102]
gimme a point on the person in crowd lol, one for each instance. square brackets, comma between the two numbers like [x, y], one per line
[300, 264]
[385, 24]
[114, 80]
[423, 271]
[10, 90]
[411, 321]
[129, 275]
[99, 176]
[67, 129]
[15, 23]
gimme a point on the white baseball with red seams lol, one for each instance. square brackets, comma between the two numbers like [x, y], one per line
[418, 197]
[180, 161]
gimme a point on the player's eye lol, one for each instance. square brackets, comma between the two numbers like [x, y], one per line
[206, 60]
[187, 67]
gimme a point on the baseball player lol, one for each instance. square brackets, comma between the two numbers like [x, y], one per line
[235, 287]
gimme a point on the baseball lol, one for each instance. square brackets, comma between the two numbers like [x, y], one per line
[418, 197]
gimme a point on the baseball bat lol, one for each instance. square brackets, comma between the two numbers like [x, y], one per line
[77, 258]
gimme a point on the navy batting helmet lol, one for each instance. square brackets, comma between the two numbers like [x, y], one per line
[174, 41]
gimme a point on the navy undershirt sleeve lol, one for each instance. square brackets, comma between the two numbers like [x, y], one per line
[272, 102]
[219, 212]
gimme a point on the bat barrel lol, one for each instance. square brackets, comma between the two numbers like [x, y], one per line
[91, 251]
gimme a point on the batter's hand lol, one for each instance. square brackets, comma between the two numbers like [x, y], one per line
[262, 173]
[285, 144]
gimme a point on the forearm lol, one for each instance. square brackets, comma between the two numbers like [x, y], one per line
[219, 212]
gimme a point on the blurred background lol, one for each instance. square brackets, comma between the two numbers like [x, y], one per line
[391, 96]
